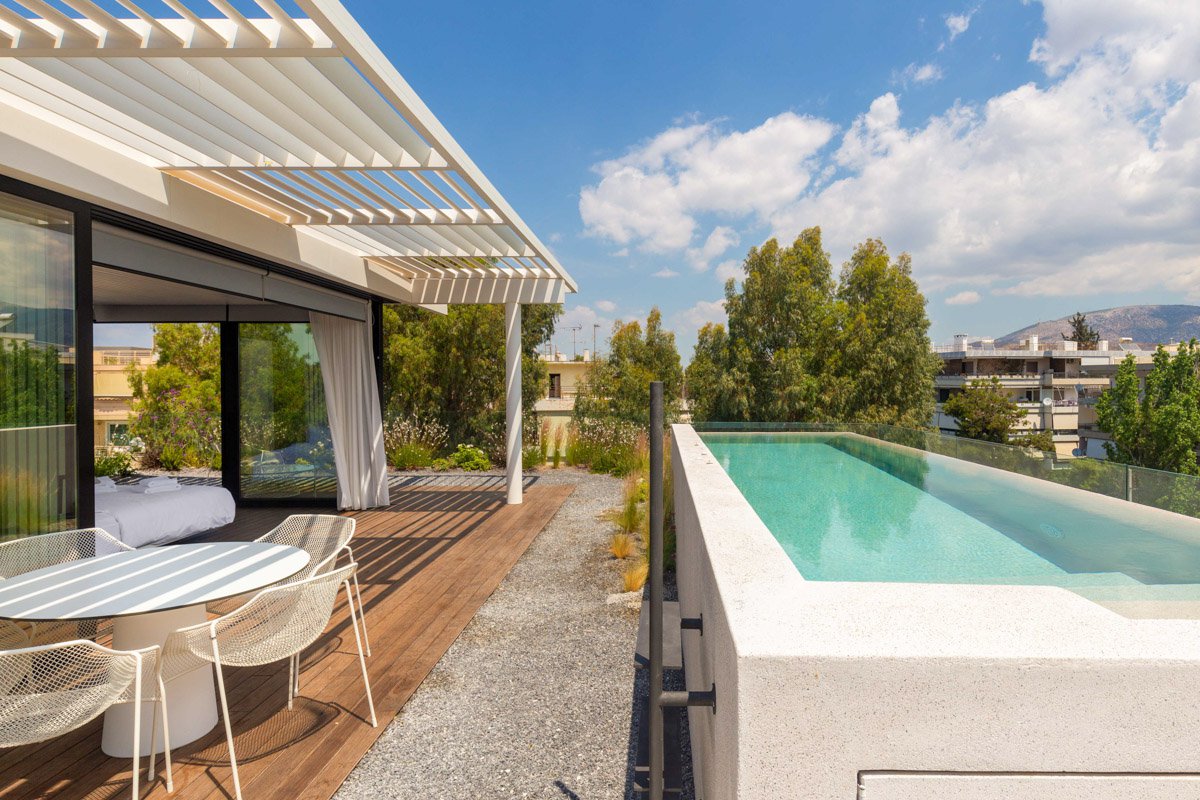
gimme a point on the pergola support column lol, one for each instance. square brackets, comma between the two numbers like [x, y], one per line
[512, 399]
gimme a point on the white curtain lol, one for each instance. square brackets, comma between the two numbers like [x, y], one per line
[352, 397]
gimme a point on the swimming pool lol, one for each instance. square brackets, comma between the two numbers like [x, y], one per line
[883, 623]
[848, 508]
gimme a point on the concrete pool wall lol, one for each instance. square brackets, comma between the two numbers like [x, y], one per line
[897, 691]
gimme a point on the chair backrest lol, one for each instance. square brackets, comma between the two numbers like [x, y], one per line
[275, 623]
[48, 549]
[319, 535]
[50, 690]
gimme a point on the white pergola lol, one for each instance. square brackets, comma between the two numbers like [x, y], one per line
[299, 119]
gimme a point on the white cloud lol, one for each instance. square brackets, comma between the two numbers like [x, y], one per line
[918, 74]
[963, 298]
[666, 272]
[957, 24]
[698, 315]
[729, 269]
[1089, 183]
[1085, 181]
[607, 306]
[652, 196]
[721, 239]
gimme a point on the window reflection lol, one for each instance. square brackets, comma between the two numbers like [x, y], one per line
[37, 368]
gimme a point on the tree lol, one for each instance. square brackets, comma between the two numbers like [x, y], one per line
[282, 394]
[616, 386]
[984, 411]
[33, 386]
[1083, 334]
[801, 348]
[450, 367]
[886, 364]
[779, 325]
[177, 402]
[711, 392]
[1157, 426]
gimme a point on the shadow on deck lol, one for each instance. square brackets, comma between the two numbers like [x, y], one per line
[427, 563]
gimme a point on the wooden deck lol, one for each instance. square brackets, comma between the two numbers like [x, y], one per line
[426, 565]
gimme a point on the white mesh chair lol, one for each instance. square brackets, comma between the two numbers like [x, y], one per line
[324, 537]
[53, 689]
[276, 624]
[46, 550]
[12, 636]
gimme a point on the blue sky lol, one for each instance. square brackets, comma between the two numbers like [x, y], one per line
[1035, 158]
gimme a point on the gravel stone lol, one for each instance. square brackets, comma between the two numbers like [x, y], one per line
[534, 699]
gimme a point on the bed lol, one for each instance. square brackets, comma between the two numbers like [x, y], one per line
[140, 519]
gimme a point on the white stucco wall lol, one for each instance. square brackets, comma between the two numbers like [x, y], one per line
[821, 685]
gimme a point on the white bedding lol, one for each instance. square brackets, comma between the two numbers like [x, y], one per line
[139, 519]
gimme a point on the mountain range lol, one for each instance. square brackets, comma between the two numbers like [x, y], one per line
[1158, 324]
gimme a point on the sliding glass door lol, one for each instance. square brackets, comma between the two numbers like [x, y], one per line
[38, 474]
[286, 450]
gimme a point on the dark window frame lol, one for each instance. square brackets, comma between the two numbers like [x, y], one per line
[85, 214]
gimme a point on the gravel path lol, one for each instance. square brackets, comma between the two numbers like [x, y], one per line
[534, 698]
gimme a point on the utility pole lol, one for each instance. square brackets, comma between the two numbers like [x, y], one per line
[574, 329]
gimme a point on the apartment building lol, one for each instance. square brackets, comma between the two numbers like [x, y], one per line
[113, 396]
[565, 376]
[1056, 383]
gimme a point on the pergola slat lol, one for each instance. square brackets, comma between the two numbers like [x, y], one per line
[301, 120]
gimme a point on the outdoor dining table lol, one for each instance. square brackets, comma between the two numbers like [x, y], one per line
[149, 593]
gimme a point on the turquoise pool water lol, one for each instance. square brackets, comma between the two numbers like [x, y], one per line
[847, 508]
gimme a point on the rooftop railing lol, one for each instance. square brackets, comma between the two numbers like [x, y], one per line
[1170, 491]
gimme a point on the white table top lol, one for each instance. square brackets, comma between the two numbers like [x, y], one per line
[147, 580]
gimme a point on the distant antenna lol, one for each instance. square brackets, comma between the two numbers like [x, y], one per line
[574, 329]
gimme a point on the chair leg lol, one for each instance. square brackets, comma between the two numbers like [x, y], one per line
[362, 661]
[153, 743]
[296, 680]
[362, 615]
[357, 621]
[162, 706]
[237, 784]
[137, 725]
[291, 679]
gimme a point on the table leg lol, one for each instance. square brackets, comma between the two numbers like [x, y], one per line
[191, 697]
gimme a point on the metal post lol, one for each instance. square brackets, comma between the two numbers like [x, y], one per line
[512, 400]
[656, 590]
[1129, 483]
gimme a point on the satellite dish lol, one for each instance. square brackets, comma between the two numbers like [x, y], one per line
[1047, 402]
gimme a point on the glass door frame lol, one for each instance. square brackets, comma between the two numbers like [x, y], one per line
[84, 455]
[231, 430]
[85, 213]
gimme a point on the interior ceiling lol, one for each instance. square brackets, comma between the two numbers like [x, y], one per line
[114, 287]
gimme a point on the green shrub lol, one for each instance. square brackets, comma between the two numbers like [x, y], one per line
[531, 457]
[544, 441]
[411, 455]
[466, 457]
[172, 458]
[604, 445]
[117, 464]
[412, 442]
